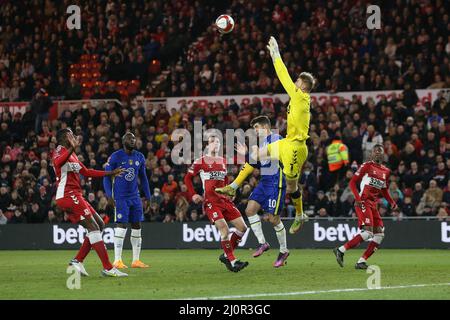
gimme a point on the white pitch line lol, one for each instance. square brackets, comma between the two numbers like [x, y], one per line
[298, 293]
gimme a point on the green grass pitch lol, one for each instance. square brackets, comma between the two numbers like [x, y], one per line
[184, 274]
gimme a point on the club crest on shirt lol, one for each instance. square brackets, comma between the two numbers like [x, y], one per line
[137, 163]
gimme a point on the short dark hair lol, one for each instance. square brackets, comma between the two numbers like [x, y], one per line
[378, 145]
[60, 135]
[263, 120]
[126, 134]
[309, 79]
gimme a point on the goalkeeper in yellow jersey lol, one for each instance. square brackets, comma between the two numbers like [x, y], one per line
[291, 151]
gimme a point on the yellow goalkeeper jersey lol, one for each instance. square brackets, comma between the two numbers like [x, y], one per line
[298, 110]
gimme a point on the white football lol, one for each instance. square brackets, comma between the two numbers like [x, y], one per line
[225, 23]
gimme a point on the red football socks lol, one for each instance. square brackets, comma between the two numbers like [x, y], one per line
[84, 250]
[354, 242]
[100, 248]
[234, 240]
[373, 246]
[228, 249]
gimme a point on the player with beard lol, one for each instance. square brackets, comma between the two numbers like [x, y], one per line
[127, 201]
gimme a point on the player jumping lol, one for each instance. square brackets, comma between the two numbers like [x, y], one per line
[269, 193]
[69, 197]
[374, 183]
[127, 202]
[219, 209]
[292, 151]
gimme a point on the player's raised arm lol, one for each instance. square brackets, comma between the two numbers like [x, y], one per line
[62, 155]
[280, 68]
[144, 179]
[107, 183]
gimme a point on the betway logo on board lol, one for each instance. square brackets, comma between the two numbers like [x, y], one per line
[341, 232]
[76, 235]
[445, 232]
[208, 233]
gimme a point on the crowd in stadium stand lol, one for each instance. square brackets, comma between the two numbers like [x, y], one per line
[332, 43]
[330, 39]
[416, 140]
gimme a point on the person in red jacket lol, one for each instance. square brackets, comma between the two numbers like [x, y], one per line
[69, 198]
[373, 178]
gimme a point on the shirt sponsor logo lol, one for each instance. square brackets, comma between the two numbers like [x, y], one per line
[130, 174]
[217, 175]
[377, 183]
[74, 166]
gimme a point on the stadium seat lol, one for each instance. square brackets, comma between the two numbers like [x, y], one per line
[86, 94]
[132, 89]
[111, 83]
[154, 67]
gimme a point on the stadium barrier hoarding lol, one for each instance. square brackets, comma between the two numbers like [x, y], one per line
[424, 95]
[407, 234]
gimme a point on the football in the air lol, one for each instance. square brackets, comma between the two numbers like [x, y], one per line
[225, 23]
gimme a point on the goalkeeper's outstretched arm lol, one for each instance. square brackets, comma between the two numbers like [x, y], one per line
[280, 68]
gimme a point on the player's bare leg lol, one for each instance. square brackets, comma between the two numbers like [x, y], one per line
[228, 257]
[281, 236]
[378, 235]
[366, 233]
[251, 211]
[120, 232]
[95, 238]
[136, 243]
[99, 221]
[294, 189]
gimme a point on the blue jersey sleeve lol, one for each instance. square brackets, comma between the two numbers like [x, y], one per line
[144, 179]
[107, 184]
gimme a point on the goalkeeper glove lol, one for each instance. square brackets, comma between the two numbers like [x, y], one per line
[272, 46]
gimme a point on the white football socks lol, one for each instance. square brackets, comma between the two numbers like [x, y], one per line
[281, 235]
[119, 236]
[136, 242]
[255, 224]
